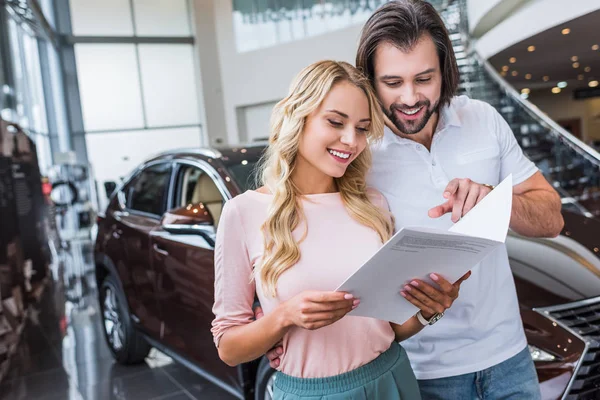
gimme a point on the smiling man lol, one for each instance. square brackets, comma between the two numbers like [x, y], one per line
[440, 156]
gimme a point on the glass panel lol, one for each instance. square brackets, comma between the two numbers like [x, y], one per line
[263, 23]
[169, 81]
[172, 17]
[150, 189]
[101, 18]
[109, 86]
[37, 106]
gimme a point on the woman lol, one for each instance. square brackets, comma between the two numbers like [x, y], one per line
[295, 239]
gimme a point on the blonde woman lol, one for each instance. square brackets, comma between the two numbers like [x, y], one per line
[295, 239]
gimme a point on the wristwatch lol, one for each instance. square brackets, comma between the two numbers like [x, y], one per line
[435, 318]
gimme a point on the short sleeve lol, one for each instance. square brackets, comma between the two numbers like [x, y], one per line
[512, 159]
[234, 291]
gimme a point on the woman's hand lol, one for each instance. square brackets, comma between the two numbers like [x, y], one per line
[430, 300]
[314, 309]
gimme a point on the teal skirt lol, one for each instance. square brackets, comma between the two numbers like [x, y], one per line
[388, 377]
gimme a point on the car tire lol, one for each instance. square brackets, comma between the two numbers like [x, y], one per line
[265, 377]
[124, 341]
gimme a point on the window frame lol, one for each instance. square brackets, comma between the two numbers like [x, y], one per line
[136, 176]
[207, 169]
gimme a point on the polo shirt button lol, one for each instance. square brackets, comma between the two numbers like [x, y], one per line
[433, 163]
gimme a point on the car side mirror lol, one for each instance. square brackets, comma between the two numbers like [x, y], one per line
[194, 219]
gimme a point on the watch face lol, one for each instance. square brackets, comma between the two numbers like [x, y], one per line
[435, 318]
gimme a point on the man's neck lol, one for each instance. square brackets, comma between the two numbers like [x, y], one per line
[424, 137]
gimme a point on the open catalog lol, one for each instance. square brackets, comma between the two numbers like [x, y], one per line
[414, 253]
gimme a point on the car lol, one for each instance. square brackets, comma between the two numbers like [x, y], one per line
[155, 274]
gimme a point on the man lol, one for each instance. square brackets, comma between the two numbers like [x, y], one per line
[439, 157]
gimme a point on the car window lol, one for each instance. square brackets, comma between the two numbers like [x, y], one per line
[148, 191]
[195, 186]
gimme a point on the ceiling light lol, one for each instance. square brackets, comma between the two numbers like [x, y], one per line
[503, 73]
[531, 49]
[525, 91]
[546, 78]
[580, 77]
[574, 58]
[565, 31]
[512, 60]
[505, 68]
[575, 65]
[562, 84]
[527, 76]
[514, 73]
[593, 83]
[587, 69]
[555, 90]
[595, 47]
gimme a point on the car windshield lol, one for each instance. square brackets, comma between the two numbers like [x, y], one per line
[244, 175]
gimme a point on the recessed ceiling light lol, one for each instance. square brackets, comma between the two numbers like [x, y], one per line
[587, 69]
[514, 73]
[580, 77]
[595, 47]
[503, 73]
[562, 84]
[575, 65]
[505, 68]
[593, 83]
[574, 58]
[565, 31]
[555, 90]
[527, 76]
[525, 91]
[512, 60]
[531, 49]
[546, 78]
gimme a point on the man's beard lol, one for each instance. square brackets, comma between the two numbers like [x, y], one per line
[411, 127]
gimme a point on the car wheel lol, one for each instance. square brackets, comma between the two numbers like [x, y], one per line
[265, 378]
[125, 342]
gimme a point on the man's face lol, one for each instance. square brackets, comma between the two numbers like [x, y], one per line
[408, 84]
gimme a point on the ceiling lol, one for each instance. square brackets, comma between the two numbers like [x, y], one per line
[552, 56]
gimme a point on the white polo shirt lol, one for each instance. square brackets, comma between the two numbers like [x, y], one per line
[483, 327]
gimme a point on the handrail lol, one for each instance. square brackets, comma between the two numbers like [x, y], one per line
[577, 144]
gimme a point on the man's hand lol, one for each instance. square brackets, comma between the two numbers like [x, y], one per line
[462, 196]
[277, 350]
[431, 300]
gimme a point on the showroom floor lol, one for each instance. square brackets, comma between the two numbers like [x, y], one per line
[63, 356]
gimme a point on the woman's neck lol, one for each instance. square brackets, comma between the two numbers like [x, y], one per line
[309, 185]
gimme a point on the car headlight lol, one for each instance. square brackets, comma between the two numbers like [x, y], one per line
[540, 355]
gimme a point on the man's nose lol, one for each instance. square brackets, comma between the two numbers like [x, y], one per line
[409, 95]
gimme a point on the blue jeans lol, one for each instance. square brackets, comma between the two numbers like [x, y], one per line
[514, 378]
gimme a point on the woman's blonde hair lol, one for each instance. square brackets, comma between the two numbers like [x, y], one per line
[307, 92]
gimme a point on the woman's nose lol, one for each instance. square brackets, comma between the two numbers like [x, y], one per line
[349, 138]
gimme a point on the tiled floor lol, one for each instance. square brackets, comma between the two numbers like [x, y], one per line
[63, 356]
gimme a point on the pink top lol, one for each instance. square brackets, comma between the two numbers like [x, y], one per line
[335, 246]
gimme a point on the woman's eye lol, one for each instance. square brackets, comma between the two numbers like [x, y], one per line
[363, 130]
[335, 123]
[392, 84]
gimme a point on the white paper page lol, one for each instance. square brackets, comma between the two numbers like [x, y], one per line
[491, 216]
[411, 253]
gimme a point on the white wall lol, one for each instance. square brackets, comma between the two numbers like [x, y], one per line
[485, 14]
[532, 18]
[264, 76]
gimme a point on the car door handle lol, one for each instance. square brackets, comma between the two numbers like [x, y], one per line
[159, 250]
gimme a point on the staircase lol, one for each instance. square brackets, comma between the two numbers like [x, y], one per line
[571, 166]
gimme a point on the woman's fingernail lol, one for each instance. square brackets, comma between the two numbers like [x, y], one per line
[414, 283]
[434, 277]
[408, 288]
[356, 302]
[348, 296]
[402, 294]
[280, 351]
[354, 306]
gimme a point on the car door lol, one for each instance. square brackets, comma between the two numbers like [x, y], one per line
[146, 199]
[185, 273]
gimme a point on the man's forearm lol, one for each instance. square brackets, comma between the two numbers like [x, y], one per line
[536, 213]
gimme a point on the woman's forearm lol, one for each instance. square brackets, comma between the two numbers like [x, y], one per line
[407, 329]
[244, 343]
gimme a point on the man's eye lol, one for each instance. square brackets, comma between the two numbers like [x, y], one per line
[423, 80]
[334, 123]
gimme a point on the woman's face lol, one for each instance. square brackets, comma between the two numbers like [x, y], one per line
[336, 133]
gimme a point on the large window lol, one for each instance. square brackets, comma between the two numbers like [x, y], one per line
[264, 23]
[148, 191]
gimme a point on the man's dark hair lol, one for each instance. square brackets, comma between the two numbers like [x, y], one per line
[402, 23]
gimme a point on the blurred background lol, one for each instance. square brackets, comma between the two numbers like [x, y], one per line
[91, 89]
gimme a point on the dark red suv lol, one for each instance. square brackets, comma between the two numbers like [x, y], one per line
[154, 269]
